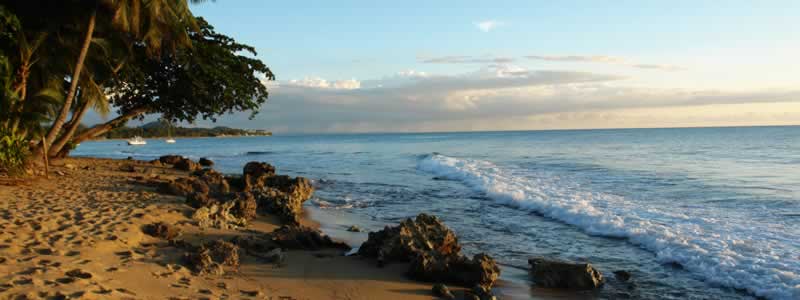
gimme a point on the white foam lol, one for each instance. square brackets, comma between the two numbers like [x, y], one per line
[763, 261]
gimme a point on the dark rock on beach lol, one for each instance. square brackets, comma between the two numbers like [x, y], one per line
[184, 186]
[170, 159]
[410, 238]
[161, 230]
[205, 162]
[244, 205]
[564, 275]
[187, 165]
[283, 196]
[300, 237]
[215, 181]
[210, 258]
[255, 173]
[433, 251]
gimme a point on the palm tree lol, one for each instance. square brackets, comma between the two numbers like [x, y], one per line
[158, 23]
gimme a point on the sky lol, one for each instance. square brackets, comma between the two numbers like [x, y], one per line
[415, 66]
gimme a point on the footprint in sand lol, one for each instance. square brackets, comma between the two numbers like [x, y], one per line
[78, 273]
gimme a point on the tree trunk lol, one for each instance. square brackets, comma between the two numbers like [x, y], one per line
[62, 116]
[99, 129]
[72, 125]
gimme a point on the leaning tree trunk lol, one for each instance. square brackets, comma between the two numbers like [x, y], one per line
[71, 127]
[100, 129]
[62, 116]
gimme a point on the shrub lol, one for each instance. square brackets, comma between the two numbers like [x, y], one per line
[13, 152]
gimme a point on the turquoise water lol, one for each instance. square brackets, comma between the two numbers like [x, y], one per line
[692, 213]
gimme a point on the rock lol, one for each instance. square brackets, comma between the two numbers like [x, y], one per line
[299, 237]
[434, 253]
[161, 230]
[257, 171]
[622, 275]
[184, 186]
[482, 293]
[216, 182]
[481, 270]
[209, 258]
[283, 196]
[199, 199]
[205, 162]
[353, 228]
[187, 165]
[224, 252]
[441, 291]
[127, 168]
[564, 275]
[218, 215]
[170, 159]
[156, 162]
[244, 205]
[70, 166]
[403, 243]
[59, 173]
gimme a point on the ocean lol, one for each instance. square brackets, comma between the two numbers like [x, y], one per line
[705, 213]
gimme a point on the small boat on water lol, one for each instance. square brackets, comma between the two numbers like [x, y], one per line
[137, 141]
[169, 141]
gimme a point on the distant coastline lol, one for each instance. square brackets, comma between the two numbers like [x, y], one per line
[157, 130]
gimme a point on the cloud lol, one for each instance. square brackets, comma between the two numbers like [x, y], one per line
[504, 97]
[465, 60]
[578, 58]
[604, 59]
[493, 97]
[316, 82]
[488, 25]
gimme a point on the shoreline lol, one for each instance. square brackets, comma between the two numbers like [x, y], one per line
[89, 215]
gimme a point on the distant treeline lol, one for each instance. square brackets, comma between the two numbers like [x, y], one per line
[159, 130]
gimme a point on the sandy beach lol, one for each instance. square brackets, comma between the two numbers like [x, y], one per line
[79, 234]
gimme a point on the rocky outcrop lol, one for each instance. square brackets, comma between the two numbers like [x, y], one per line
[423, 234]
[170, 159]
[220, 215]
[481, 270]
[244, 205]
[216, 182]
[254, 173]
[300, 237]
[184, 186]
[205, 162]
[187, 165]
[209, 259]
[433, 252]
[564, 275]
[161, 230]
[283, 196]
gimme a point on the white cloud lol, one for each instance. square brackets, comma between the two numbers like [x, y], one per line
[578, 58]
[316, 82]
[604, 59]
[488, 25]
[462, 59]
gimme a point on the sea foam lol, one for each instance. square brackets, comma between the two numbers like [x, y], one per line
[732, 254]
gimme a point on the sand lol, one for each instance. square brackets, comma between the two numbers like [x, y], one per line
[79, 234]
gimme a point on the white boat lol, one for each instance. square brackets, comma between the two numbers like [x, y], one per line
[137, 141]
[169, 141]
